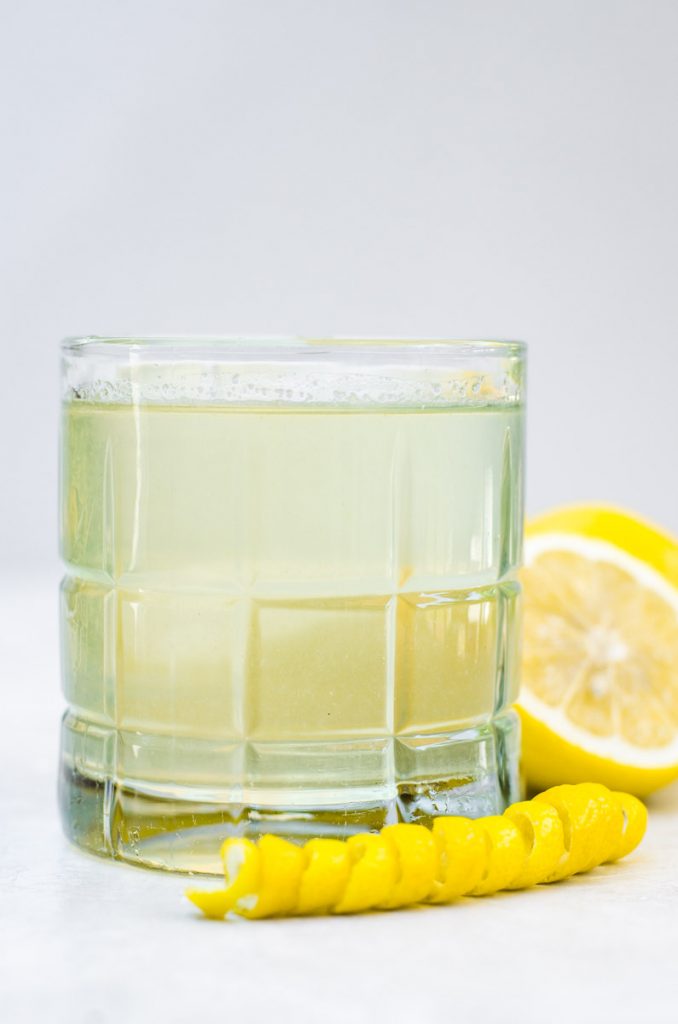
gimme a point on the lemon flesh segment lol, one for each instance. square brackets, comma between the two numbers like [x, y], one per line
[374, 873]
[544, 839]
[635, 824]
[417, 858]
[281, 865]
[599, 695]
[328, 867]
[506, 857]
[462, 856]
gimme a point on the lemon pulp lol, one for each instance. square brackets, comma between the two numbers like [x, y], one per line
[599, 696]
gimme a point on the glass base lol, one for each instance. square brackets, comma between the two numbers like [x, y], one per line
[180, 828]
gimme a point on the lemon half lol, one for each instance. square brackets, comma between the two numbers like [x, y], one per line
[599, 696]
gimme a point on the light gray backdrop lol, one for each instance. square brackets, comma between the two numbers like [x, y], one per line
[431, 167]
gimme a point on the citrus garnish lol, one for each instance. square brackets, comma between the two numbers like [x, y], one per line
[262, 879]
[328, 867]
[374, 873]
[564, 831]
[599, 690]
[242, 872]
[633, 828]
[593, 824]
[506, 854]
[462, 855]
[417, 864]
[543, 834]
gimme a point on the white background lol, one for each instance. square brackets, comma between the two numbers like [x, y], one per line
[430, 167]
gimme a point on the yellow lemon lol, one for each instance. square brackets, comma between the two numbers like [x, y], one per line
[599, 697]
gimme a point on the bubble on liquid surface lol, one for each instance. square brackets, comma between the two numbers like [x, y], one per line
[365, 387]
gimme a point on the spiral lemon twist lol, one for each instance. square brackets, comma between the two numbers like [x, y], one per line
[562, 832]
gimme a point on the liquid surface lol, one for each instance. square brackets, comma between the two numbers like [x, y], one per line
[269, 611]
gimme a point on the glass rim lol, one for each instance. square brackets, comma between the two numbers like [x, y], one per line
[238, 370]
[242, 344]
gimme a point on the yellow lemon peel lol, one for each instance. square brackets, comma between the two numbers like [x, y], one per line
[462, 857]
[324, 880]
[417, 864]
[564, 831]
[635, 823]
[506, 854]
[592, 825]
[374, 873]
[543, 835]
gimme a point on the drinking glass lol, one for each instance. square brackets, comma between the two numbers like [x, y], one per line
[290, 602]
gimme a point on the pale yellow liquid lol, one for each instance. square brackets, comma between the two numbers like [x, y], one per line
[286, 608]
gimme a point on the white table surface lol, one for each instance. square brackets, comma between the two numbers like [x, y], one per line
[84, 940]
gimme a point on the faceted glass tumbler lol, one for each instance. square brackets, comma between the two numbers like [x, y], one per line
[290, 602]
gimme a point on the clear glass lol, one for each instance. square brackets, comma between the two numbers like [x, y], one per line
[290, 602]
